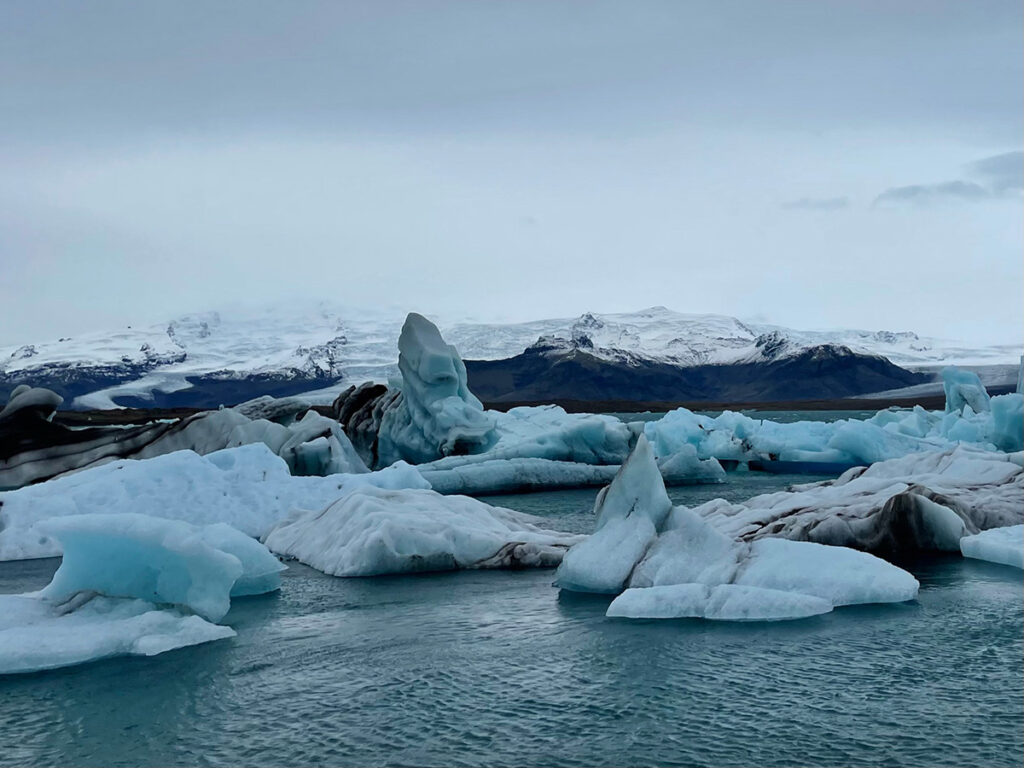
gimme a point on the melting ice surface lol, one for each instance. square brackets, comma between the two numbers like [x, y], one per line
[494, 667]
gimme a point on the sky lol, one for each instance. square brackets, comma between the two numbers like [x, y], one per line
[813, 164]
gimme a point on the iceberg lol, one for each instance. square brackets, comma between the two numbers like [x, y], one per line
[997, 545]
[923, 501]
[725, 602]
[669, 562]
[515, 476]
[373, 531]
[34, 448]
[131, 584]
[248, 487]
[485, 475]
[992, 424]
[36, 635]
[160, 561]
[435, 415]
[629, 513]
[963, 388]
[34, 400]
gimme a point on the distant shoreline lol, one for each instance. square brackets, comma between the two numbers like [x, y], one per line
[930, 402]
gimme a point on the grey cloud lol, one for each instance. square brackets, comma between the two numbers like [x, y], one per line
[114, 70]
[817, 204]
[923, 194]
[1004, 173]
[999, 176]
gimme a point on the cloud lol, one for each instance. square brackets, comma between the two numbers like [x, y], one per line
[817, 204]
[1000, 176]
[1004, 173]
[924, 194]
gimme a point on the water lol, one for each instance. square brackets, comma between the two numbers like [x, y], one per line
[498, 668]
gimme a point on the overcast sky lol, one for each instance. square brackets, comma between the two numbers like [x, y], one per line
[816, 164]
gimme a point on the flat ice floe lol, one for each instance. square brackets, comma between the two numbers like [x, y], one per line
[131, 585]
[997, 545]
[672, 564]
[373, 531]
[36, 635]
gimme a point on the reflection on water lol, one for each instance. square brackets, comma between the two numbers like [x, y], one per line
[499, 668]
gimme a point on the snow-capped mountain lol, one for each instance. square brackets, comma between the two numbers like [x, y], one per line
[662, 335]
[288, 349]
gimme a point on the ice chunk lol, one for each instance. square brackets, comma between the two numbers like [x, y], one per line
[103, 599]
[688, 550]
[371, 531]
[548, 432]
[317, 446]
[684, 467]
[247, 487]
[726, 602]
[37, 635]
[42, 401]
[963, 388]
[924, 501]
[261, 571]
[677, 565]
[436, 414]
[629, 513]
[840, 575]
[997, 545]
[160, 561]
[1007, 430]
[515, 475]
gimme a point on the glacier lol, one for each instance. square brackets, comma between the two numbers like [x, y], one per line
[374, 531]
[643, 543]
[131, 584]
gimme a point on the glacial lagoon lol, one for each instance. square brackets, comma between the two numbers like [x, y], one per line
[499, 668]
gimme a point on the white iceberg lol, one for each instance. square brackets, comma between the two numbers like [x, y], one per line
[672, 563]
[249, 488]
[725, 602]
[515, 476]
[371, 531]
[630, 511]
[996, 545]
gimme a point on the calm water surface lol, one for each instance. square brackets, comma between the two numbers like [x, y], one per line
[498, 668]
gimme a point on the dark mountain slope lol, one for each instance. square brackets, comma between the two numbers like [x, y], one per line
[545, 374]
